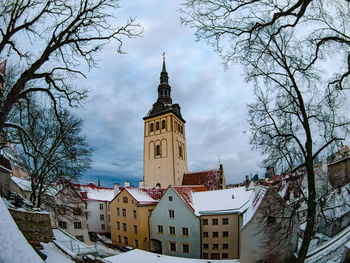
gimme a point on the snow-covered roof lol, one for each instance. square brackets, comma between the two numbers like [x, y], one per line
[137, 255]
[94, 192]
[22, 183]
[253, 204]
[186, 193]
[141, 195]
[221, 201]
[13, 246]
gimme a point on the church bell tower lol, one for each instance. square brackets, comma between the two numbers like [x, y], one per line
[165, 155]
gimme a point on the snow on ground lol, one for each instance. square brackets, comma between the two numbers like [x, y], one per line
[104, 251]
[70, 245]
[331, 250]
[14, 247]
[137, 255]
[54, 254]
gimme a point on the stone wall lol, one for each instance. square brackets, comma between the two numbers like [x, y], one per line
[34, 226]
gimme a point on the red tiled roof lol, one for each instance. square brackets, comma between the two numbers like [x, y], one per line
[185, 192]
[155, 193]
[91, 185]
[210, 179]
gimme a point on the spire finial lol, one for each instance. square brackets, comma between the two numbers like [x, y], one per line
[164, 69]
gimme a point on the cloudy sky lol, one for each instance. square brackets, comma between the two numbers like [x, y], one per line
[124, 87]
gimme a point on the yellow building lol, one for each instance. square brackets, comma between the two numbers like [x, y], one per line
[129, 211]
[165, 155]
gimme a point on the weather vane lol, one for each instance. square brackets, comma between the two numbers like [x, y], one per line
[163, 55]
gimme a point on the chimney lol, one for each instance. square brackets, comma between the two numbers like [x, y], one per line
[141, 184]
[126, 184]
[116, 188]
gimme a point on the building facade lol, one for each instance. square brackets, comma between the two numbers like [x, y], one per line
[129, 213]
[175, 229]
[165, 155]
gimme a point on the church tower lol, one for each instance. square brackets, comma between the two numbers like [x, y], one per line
[165, 156]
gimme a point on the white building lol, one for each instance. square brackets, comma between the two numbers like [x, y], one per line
[97, 199]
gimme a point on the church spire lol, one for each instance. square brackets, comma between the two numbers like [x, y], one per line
[164, 88]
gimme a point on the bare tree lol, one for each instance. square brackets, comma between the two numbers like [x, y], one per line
[48, 41]
[66, 156]
[284, 47]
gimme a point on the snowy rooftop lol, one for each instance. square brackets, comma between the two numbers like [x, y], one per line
[13, 246]
[145, 195]
[234, 199]
[22, 183]
[186, 193]
[253, 204]
[137, 255]
[94, 192]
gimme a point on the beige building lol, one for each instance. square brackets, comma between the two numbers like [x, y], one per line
[129, 212]
[165, 155]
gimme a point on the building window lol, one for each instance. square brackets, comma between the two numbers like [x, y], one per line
[225, 221]
[151, 127]
[171, 213]
[62, 210]
[215, 234]
[271, 220]
[136, 243]
[225, 246]
[160, 229]
[205, 246]
[185, 248]
[135, 229]
[163, 124]
[215, 256]
[225, 234]
[80, 238]
[62, 224]
[205, 234]
[126, 240]
[171, 230]
[134, 213]
[205, 255]
[119, 239]
[185, 231]
[102, 217]
[103, 226]
[101, 206]
[77, 225]
[77, 211]
[224, 255]
[124, 212]
[157, 125]
[118, 211]
[125, 199]
[157, 150]
[181, 130]
[215, 221]
[118, 225]
[178, 127]
[205, 221]
[180, 151]
[124, 227]
[172, 246]
[170, 198]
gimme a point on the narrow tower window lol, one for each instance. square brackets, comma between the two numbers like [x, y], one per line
[163, 124]
[157, 125]
[158, 150]
[151, 127]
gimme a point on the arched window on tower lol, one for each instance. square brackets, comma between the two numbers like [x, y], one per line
[163, 124]
[151, 127]
[157, 125]
[181, 130]
[157, 150]
[180, 151]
